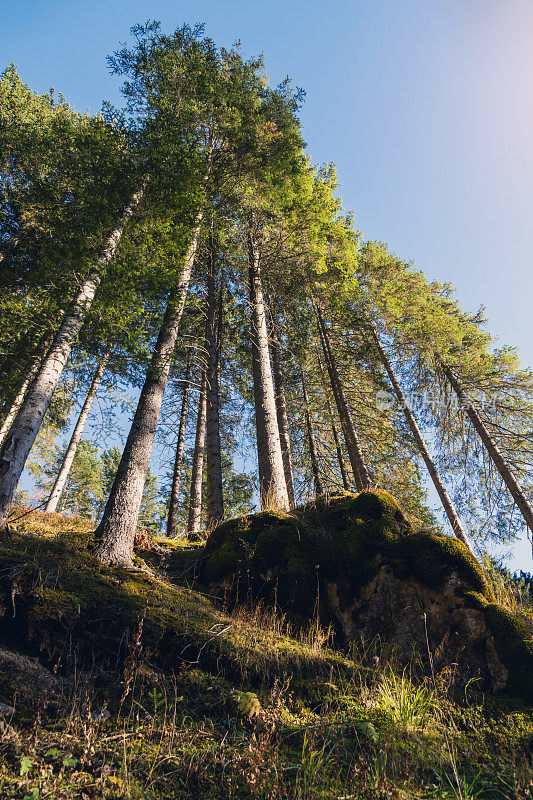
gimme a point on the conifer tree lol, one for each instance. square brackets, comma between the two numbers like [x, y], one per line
[77, 433]
[195, 503]
[172, 515]
[215, 500]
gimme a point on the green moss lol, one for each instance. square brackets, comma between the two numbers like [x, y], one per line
[429, 556]
[476, 599]
[344, 538]
[347, 539]
[228, 558]
[71, 609]
[377, 504]
[513, 637]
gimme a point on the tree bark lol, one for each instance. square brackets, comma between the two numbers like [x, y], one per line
[281, 411]
[195, 506]
[313, 451]
[499, 461]
[215, 500]
[360, 473]
[172, 518]
[116, 532]
[338, 448]
[272, 486]
[447, 504]
[25, 427]
[77, 434]
[25, 380]
[336, 439]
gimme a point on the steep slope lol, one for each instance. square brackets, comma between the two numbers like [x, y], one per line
[121, 683]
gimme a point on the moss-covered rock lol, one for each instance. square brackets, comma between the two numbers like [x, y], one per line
[359, 562]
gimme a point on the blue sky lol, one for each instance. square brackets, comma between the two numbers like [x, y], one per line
[424, 105]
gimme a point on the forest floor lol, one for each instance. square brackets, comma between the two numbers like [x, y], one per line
[120, 684]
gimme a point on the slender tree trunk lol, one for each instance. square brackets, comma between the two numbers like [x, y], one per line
[313, 450]
[77, 433]
[499, 461]
[25, 427]
[360, 473]
[172, 518]
[281, 411]
[338, 448]
[272, 486]
[116, 532]
[195, 506]
[447, 504]
[26, 378]
[336, 439]
[215, 500]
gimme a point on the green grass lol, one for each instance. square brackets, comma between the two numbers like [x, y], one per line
[179, 678]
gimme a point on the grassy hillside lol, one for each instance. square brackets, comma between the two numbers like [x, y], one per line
[138, 685]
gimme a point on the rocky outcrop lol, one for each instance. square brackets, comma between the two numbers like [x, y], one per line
[362, 565]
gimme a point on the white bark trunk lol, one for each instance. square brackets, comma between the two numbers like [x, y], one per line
[313, 450]
[281, 412]
[77, 433]
[272, 486]
[25, 427]
[195, 506]
[338, 448]
[116, 532]
[173, 506]
[360, 473]
[215, 500]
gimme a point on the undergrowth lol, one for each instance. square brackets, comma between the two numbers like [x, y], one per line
[247, 707]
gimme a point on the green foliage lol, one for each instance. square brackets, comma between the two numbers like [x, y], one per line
[248, 704]
[45, 456]
[205, 127]
[422, 326]
[409, 706]
[152, 509]
[82, 494]
[25, 765]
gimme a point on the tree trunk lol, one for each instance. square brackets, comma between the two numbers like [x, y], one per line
[172, 518]
[195, 506]
[313, 451]
[336, 439]
[26, 378]
[215, 501]
[25, 427]
[338, 448]
[272, 486]
[77, 434]
[281, 411]
[116, 532]
[449, 508]
[500, 463]
[360, 473]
